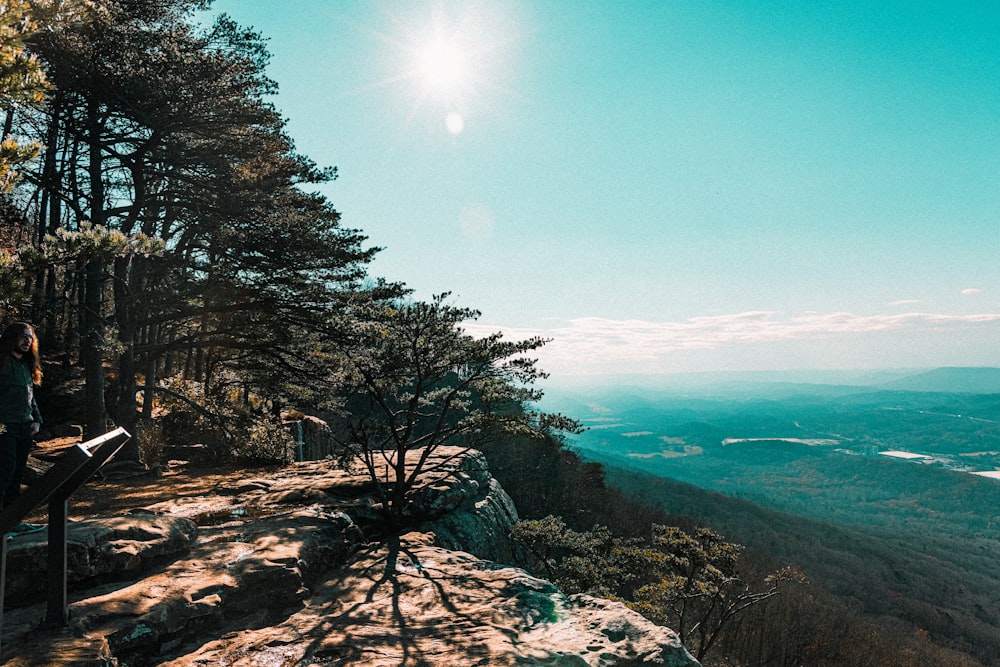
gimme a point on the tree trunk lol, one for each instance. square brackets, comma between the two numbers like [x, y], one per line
[126, 412]
[49, 213]
[93, 322]
[95, 421]
[399, 487]
[152, 334]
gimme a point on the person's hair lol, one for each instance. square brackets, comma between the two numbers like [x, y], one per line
[8, 343]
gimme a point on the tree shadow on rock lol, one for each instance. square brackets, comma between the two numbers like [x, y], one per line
[416, 606]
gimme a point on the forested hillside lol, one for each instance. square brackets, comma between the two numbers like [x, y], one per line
[869, 597]
[810, 476]
[940, 583]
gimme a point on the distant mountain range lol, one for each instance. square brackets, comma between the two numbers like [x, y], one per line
[971, 380]
[956, 380]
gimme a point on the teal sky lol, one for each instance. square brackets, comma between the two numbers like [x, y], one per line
[668, 186]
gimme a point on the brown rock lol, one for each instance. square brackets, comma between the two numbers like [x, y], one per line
[122, 546]
[275, 578]
[410, 603]
[236, 576]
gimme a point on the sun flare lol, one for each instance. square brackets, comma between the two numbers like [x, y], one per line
[449, 60]
[442, 64]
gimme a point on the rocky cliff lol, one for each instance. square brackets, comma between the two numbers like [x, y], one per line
[276, 570]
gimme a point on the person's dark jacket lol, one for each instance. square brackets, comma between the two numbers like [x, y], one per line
[17, 394]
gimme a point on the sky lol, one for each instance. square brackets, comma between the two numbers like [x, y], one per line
[667, 186]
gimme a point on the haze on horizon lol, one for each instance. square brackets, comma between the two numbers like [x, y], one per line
[666, 187]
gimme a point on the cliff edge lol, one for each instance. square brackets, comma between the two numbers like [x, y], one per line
[275, 569]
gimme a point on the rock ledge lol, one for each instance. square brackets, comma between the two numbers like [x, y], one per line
[275, 570]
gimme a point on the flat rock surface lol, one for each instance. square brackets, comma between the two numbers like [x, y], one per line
[113, 546]
[272, 567]
[408, 602]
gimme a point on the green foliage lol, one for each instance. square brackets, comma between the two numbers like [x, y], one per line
[23, 82]
[697, 589]
[267, 441]
[13, 154]
[233, 430]
[416, 382]
[594, 561]
[152, 441]
[11, 281]
[689, 582]
[89, 241]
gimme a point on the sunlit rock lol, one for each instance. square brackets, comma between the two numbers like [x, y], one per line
[409, 602]
[101, 547]
[278, 572]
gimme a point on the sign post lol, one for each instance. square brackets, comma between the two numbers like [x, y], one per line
[71, 470]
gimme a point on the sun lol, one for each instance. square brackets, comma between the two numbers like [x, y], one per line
[447, 61]
[442, 65]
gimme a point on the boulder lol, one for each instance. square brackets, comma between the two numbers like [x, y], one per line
[313, 439]
[481, 524]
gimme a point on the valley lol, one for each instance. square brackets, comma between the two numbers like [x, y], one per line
[885, 496]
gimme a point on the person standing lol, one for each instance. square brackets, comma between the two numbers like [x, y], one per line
[20, 420]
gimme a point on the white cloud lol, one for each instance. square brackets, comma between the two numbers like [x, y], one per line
[904, 302]
[644, 345]
[972, 291]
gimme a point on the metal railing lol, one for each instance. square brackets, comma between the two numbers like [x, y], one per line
[71, 470]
